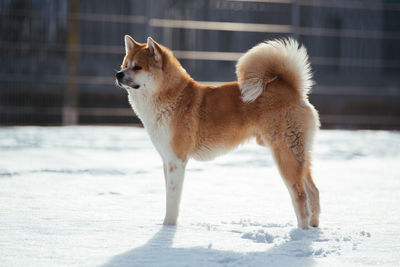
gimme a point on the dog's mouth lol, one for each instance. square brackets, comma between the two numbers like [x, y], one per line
[120, 84]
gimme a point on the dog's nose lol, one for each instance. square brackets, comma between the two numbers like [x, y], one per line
[119, 75]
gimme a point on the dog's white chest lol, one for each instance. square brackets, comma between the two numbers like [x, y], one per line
[160, 137]
[157, 124]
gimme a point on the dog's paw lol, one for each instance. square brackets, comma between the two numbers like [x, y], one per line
[314, 220]
[169, 221]
[303, 224]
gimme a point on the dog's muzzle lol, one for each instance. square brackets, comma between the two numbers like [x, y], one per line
[120, 75]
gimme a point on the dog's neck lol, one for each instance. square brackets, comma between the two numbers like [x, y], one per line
[171, 89]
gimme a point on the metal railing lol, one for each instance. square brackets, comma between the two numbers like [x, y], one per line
[58, 58]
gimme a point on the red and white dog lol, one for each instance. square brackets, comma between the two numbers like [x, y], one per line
[186, 119]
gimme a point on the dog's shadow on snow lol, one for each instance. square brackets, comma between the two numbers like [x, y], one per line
[158, 251]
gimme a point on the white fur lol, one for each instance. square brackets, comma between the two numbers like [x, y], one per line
[153, 49]
[252, 88]
[301, 223]
[314, 126]
[157, 124]
[144, 79]
[286, 58]
[155, 121]
[128, 43]
[174, 186]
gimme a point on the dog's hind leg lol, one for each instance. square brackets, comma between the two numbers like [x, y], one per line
[313, 195]
[174, 171]
[292, 171]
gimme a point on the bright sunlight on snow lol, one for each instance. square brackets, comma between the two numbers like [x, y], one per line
[94, 196]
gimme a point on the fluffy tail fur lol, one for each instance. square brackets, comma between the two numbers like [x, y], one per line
[266, 61]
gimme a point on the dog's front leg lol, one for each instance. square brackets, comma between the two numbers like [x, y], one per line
[174, 171]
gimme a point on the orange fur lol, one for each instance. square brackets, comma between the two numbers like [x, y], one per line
[205, 121]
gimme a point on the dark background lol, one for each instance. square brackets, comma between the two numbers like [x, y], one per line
[58, 57]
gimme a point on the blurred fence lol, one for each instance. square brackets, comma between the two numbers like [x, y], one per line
[58, 57]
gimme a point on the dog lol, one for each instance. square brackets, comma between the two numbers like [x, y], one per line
[185, 119]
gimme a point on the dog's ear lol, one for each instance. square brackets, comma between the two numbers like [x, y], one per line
[129, 43]
[154, 49]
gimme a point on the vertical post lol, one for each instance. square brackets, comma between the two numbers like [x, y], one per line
[70, 114]
[295, 19]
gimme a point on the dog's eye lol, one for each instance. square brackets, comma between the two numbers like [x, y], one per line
[136, 68]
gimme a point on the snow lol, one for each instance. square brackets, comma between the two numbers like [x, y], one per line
[94, 196]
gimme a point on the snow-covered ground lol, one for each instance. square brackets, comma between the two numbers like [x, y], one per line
[93, 196]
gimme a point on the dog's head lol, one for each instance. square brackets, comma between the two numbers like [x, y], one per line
[143, 66]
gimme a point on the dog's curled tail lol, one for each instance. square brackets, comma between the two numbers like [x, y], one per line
[280, 58]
